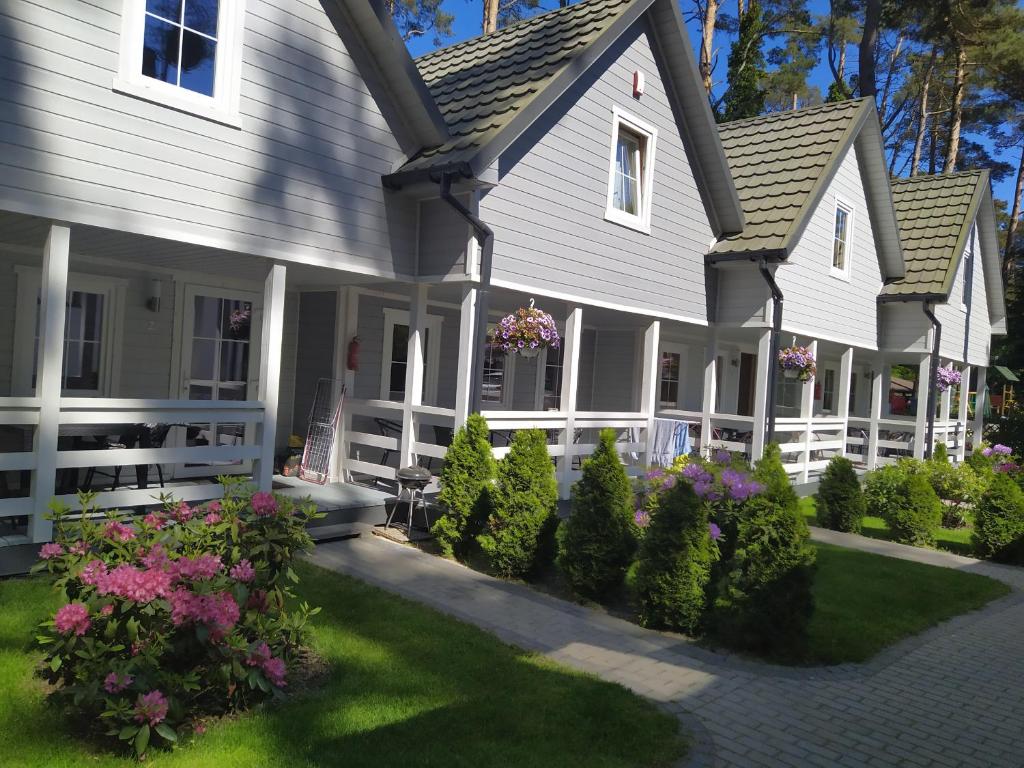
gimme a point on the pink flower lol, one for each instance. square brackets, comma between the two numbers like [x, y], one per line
[219, 611]
[198, 568]
[199, 729]
[212, 518]
[154, 520]
[183, 512]
[135, 584]
[274, 669]
[73, 617]
[115, 683]
[78, 548]
[151, 708]
[214, 507]
[51, 550]
[106, 610]
[263, 504]
[243, 572]
[92, 572]
[156, 558]
[118, 531]
[259, 655]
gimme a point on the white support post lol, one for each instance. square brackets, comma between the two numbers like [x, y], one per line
[980, 396]
[52, 310]
[270, 373]
[843, 411]
[414, 373]
[945, 408]
[807, 415]
[346, 322]
[924, 384]
[877, 395]
[567, 400]
[649, 383]
[765, 359]
[710, 391]
[960, 451]
[467, 341]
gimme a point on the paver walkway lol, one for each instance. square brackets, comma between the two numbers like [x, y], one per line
[952, 696]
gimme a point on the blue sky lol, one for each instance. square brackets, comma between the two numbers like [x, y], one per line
[468, 18]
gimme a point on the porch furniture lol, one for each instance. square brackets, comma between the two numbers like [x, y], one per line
[411, 482]
[388, 428]
[144, 436]
[443, 436]
[324, 415]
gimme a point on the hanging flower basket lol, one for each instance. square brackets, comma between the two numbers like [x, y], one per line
[797, 363]
[946, 378]
[525, 332]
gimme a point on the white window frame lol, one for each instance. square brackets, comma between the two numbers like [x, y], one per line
[672, 349]
[29, 286]
[830, 372]
[508, 382]
[641, 221]
[223, 106]
[848, 208]
[431, 364]
[542, 364]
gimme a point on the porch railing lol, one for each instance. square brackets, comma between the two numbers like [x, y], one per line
[21, 414]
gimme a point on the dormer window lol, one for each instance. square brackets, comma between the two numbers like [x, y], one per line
[184, 54]
[630, 173]
[842, 239]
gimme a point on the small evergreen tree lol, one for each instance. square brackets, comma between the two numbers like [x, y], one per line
[999, 521]
[468, 469]
[840, 501]
[675, 562]
[522, 506]
[941, 453]
[770, 473]
[597, 543]
[745, 96]
[915, 514]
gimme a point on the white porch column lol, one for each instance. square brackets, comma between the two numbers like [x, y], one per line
[924, 384]
[945, 408]
[710, 391]
[960, 450]
[52, 310]
[843, 411]
[414, 373]
[877, 397]
[649, 383]
[567, 399]
[807, 415]
[467, 341]
[980, 397]
[346, 325]
[765, 358]
[270, 373]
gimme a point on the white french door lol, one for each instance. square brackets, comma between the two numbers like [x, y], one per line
[219, 360]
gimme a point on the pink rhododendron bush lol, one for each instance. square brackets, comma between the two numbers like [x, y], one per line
[180, 615]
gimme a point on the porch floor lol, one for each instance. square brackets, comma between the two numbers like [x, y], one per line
[344, 504]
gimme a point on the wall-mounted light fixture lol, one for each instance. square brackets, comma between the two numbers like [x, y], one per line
[153, 300]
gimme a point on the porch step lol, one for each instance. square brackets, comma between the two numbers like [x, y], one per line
[324, 533]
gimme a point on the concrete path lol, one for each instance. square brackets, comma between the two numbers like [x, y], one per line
[952, 696]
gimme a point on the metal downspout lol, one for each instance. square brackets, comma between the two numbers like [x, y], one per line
[486, 237]
[777, 299]
[932, 392]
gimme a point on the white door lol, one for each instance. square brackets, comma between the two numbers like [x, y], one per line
[219, 351]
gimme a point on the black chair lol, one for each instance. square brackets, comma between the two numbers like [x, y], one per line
[388, 428]
[443, 436]
[145, 436]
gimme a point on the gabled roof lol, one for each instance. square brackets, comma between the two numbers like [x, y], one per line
[782, 164]
[492, 88]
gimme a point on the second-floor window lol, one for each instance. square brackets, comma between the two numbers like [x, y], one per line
[630, 173]
[180, 43]
[841, 239]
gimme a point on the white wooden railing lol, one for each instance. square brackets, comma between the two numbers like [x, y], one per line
[21, 414]
[363, 449]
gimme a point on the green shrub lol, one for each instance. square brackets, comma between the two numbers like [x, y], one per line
[763, 602]
[840, 501]
[1009, 430]
[676, 557]
[770, 473]
[940, 453]
[522, 506]
[883, 488]
[916, 514]
[597, 542]
[468, 469]
[999, 521]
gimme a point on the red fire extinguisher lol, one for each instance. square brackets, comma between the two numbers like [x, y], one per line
[352, 360]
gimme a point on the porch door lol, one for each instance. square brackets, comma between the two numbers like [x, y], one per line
[220, 343]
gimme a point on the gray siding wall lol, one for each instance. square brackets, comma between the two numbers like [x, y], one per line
[815, 299]
[443, 239]
[8, 302]
[953, 316]
[548, 210]
[300, 178]
[314, 351]
[742, 296]
[979, 334]
[968, 323]
[614, 371]
[904, 327]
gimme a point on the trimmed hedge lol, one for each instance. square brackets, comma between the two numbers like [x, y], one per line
[840, 501]
[999, 521]
[916, 513]
[469, 468]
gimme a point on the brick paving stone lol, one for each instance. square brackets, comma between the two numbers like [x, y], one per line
[948, 697]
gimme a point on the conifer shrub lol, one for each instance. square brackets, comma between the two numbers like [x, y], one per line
[468, 469]
[840, 502]
[770, 473]
[597, 542]
[999, 521]
[916, 513]
[883, 487]
[675, 562]
[522, 506]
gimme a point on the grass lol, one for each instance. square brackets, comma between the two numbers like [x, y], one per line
[956, 540]
[407, 687]
[865, 602]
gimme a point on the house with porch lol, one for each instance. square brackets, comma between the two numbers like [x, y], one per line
[207, 208]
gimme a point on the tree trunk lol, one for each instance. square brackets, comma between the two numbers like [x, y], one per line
[490, 16]
[884, 106]
[868, 44]
[1011, 229]
[922, 115]
[841, 69]
[707, 42]
[956, 113]
[741, 8]
[933, 149]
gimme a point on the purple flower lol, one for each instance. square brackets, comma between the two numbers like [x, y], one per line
[693, 471]
[1006, 466]
[1002, 450]
[642, 518]
[722, 457]
[703, 488]
[715, 531]
[654, 474]
[670, 483]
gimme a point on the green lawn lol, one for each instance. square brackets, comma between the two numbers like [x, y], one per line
[407, 687]
[956, 540]
[865, 602]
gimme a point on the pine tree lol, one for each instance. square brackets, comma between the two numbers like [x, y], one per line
[746, 96]
[420, 17]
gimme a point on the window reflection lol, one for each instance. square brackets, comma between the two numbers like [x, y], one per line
[180, 43]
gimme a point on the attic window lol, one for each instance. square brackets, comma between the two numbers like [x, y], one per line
[842, 240]
[630, 172]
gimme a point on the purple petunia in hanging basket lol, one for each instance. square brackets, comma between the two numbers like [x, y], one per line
[797, 363]
[946, 378]
[526, 332]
